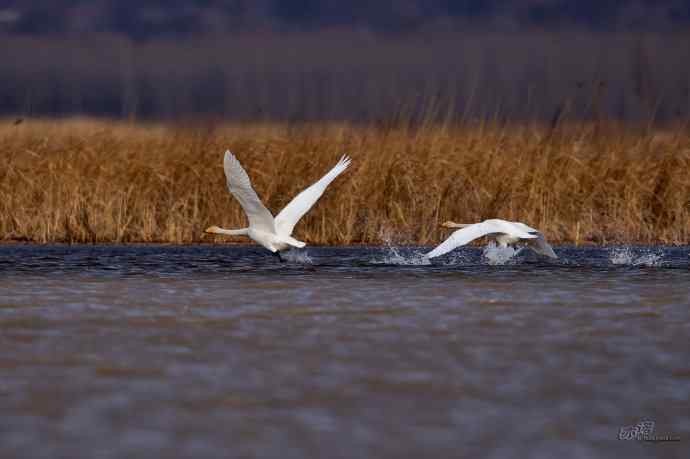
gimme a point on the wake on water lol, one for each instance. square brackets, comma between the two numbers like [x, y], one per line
[495, 255]
[492, 255]
[394, 256]
[635, 257]
[299, 256]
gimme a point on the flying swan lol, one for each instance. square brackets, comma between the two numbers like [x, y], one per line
[272, 233]
[504, 232]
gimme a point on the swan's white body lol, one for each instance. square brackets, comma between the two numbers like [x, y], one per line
[273, 233]
[504, 232]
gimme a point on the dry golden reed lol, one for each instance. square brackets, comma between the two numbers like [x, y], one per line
[103, 181]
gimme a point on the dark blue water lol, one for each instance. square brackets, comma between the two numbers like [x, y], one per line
[224, 351]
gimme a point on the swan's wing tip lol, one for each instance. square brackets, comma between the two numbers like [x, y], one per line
[343, 163]
[230, 163]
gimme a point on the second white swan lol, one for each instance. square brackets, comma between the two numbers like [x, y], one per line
[275, 234]
[504, 232]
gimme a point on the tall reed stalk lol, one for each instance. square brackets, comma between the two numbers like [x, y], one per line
[84, 180]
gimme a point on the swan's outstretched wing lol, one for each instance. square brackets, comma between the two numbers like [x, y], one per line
[300, 205]
[463, 236]
[240, 187]
[542, 247]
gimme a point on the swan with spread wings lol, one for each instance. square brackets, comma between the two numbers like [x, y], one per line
[275, 234]
[505, 233]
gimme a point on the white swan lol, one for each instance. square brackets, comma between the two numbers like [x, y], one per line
[504, 232]
[272, 233]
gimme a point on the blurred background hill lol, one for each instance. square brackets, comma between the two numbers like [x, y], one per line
[356, 60]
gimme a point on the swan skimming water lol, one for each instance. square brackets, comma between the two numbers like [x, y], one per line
[273, 233]
[504, 232]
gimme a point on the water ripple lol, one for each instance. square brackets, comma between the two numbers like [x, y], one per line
[164, 351]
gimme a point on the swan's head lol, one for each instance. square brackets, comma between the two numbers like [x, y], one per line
[212, 230]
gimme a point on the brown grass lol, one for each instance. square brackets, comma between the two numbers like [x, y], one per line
[98, 181]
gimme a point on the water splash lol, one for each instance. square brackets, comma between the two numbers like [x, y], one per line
[394, 256]
[496, 255]
[631, 257]
[297, 256]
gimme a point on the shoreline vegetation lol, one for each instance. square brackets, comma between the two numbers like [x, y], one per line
[86, 180]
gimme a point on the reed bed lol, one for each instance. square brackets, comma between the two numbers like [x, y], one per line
[83, 180]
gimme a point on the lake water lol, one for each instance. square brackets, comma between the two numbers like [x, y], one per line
[224, 351]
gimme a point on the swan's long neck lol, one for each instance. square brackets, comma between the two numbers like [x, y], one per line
[455, 225]
[228, 232]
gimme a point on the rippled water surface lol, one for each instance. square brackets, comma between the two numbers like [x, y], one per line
[224, 351]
